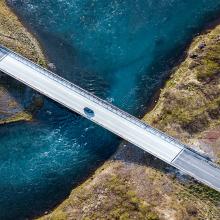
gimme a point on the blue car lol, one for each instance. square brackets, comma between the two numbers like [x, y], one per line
[89, 112]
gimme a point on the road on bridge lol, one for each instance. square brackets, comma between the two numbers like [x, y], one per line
[110, 117]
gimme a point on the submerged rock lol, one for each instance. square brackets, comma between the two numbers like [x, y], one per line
[51, 66]
[37, 103]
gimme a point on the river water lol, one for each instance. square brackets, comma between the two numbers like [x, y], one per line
[120, 50]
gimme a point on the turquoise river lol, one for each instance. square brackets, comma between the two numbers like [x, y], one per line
[120, 50]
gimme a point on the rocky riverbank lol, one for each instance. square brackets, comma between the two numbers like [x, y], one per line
[16, 37]
[135, 185]
[189, 105]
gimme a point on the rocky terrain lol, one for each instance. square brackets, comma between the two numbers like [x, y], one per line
[16, 37]
[189, 105]
[135, 185]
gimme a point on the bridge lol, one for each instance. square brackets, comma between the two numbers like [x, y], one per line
[110, 117]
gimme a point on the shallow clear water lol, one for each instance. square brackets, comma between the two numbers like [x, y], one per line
[121, 51]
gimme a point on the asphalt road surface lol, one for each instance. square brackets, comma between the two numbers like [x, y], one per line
[110, 117]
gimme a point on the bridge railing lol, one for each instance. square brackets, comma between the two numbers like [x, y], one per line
[94, 98]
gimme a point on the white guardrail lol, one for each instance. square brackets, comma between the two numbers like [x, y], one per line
[93, 98]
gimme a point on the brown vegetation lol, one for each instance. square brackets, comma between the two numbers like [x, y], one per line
[135, 185]
[189, 104]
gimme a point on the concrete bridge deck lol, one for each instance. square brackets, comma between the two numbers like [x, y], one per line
[110, 117]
